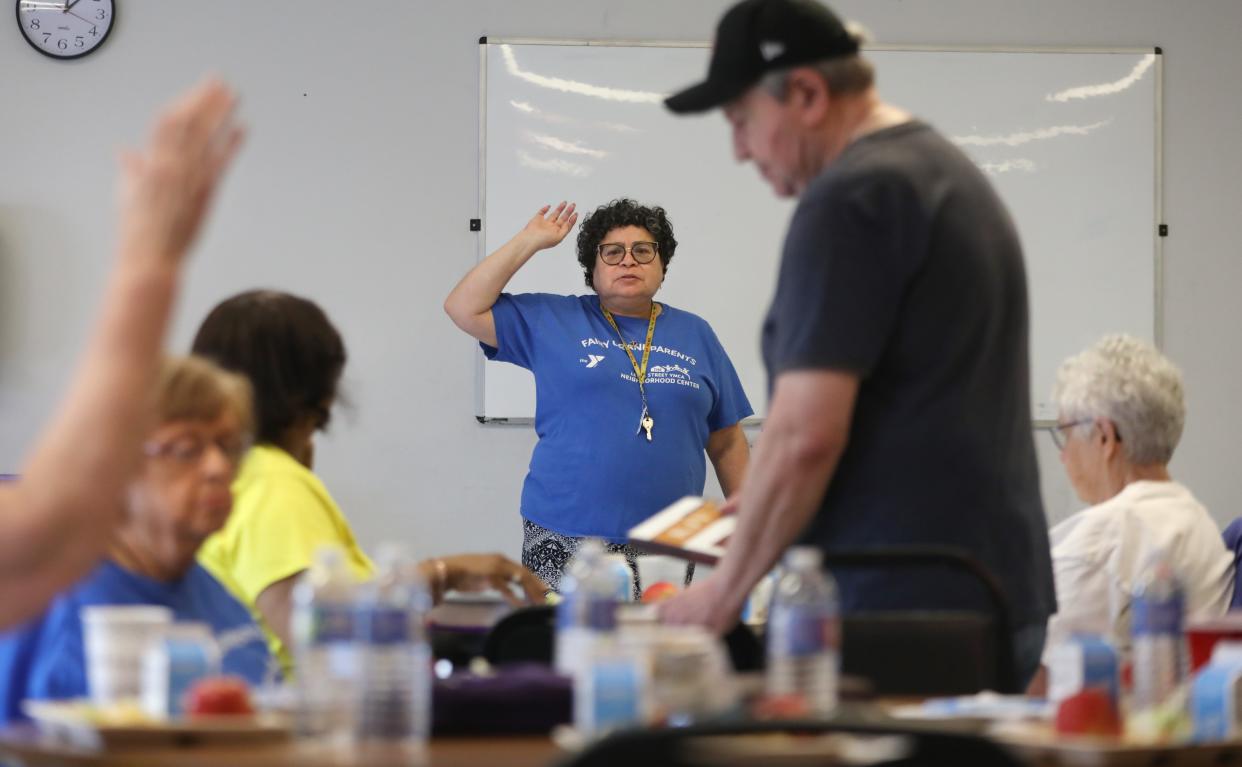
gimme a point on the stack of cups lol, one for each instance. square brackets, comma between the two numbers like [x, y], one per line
[116, 637]
[666, 574]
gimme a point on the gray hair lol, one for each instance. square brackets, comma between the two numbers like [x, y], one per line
[1133, 385]
[844, 75]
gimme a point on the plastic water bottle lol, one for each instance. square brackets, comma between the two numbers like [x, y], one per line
[325, 664]
[803, 633]
[394, 701]
[588, 607]
[622, 575]
[1159, 663]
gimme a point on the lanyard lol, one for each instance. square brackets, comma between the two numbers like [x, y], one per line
[645, 422]
[639, 371]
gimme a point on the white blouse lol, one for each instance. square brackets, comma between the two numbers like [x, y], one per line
[1099, 555]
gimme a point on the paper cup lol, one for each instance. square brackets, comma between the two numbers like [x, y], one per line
[1202, 636]
[115, 638]
[657, 568]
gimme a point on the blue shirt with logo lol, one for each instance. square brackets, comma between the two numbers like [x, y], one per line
[46, 658]
[592, 473]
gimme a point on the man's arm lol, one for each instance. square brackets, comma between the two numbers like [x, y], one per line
[729, 452]
[57, 519]
[805, 434]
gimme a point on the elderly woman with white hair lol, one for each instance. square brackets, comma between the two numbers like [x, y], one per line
[1120, 415]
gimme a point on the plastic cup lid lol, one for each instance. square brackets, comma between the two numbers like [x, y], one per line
[1229, 652]
[126, 614]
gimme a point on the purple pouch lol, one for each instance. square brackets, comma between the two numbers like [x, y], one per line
[519, 698]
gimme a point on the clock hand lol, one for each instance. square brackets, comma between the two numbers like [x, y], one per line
[70, 5]
[71, 13]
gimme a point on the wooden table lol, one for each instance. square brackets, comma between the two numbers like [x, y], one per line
[23, 745]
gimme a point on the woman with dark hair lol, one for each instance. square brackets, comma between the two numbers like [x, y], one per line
[629, 392]
[282, 513]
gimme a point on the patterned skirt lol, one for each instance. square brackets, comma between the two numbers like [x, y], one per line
[546, 553]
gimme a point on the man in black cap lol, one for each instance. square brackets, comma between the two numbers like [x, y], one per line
[896, 342]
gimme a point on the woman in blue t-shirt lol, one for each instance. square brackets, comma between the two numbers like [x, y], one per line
[180, 496]
[629, 392]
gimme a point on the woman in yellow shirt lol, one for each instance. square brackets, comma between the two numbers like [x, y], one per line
[282, 513]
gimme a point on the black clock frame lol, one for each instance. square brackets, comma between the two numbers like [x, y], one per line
[17, 9]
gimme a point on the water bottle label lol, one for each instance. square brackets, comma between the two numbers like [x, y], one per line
[331, 623]
[609, 694]
[383, 625]
[1157, 616]
[797, 631]
[188, 661]
[591, 611]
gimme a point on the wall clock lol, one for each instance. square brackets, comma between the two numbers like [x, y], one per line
[65, 29]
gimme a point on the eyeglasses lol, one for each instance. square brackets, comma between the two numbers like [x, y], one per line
[190, 450]
[613, 253]
[1058, 432]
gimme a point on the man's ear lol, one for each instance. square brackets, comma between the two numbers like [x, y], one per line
[808, 94]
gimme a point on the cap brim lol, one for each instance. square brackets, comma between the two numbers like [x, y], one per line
[704, 96]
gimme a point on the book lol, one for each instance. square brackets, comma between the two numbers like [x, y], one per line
[692, 528]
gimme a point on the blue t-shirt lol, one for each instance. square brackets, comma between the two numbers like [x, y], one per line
[592, 473]
[45, 658]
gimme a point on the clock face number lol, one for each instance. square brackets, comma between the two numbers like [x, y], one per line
[65, 29]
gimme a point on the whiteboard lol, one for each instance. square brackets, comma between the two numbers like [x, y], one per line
[1071, 140]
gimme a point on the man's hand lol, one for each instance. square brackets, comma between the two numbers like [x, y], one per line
[706, 603]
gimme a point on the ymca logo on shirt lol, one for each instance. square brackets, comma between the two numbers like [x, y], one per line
[669, 371]
[676, 373]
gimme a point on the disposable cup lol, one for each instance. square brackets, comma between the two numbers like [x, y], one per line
[116, 637]
[657, 568]
[1202, 636]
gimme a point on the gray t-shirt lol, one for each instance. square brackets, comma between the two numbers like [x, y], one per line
[902, 265]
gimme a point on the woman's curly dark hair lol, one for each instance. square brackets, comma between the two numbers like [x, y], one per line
[616, 214]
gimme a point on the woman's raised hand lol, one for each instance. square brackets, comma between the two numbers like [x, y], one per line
[168, 185]
[549, 226]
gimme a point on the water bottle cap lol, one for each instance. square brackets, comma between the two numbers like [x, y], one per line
[330, 555]
[391, 554]
[188, 630]
[803, 558]
[591, 547]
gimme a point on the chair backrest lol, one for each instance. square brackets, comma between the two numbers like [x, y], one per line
[928, 652]
[524, 635]
[1233, 540]
[529, 634]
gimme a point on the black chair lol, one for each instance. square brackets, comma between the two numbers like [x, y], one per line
[921, 745]
[529, 635]
[927, 652]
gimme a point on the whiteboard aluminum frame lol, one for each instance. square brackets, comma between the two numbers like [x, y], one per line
[756, 421]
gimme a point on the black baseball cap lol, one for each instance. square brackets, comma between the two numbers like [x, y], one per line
[759, 36]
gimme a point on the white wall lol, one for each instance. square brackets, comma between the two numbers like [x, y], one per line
[361, 173]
